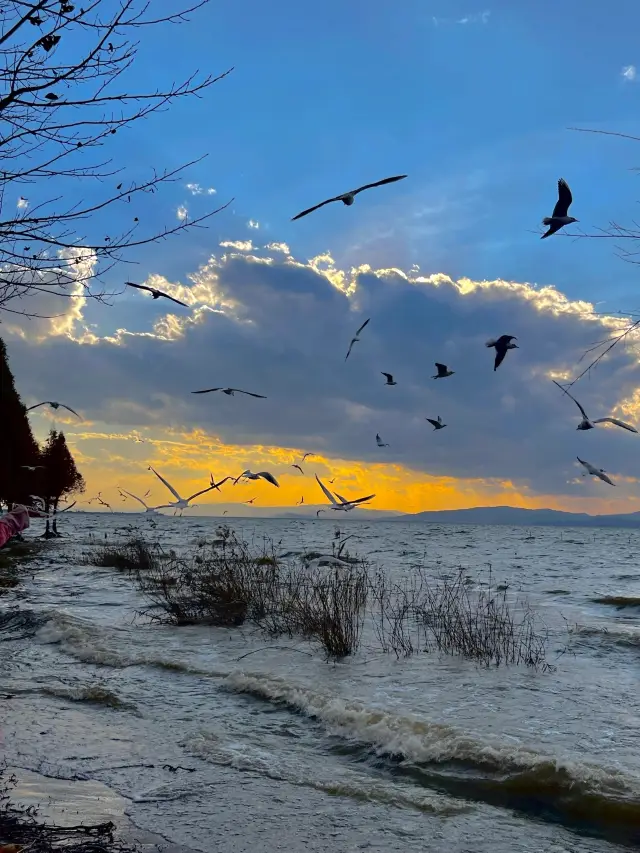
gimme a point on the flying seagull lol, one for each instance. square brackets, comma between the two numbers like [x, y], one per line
[54, 405]
[300, 502]
[379, 441]
[344, 504]
[264, 474]
[250, 501]
[587, 423]
[298, 467]
[436, 424]
[32, 467]
[559, 217]
[443, 371]
[306, 455]
[230, 392]
[151, 510]
[390, 379]
[156, 293]
[596, 472]
[179, 503]
[502, 344]
[356, 338]
[350, 197]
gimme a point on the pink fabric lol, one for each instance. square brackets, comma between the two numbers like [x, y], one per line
[13, 522]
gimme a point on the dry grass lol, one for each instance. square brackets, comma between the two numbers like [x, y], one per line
[229, 582]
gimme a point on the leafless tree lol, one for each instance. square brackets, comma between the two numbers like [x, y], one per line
[64, 92]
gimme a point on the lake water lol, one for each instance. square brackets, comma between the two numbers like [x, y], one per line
[277, 749]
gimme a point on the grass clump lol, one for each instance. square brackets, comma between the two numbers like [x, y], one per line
[332, 599]
[135, 555]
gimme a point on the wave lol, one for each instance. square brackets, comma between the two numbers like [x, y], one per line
[618, 601]
[351, 784]
[94, 694]
[595, 799]
[620, 635]
[89, 643]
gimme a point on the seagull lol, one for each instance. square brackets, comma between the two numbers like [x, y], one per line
[502, 344]
[350, 197]
[443, 371]
[249, 502]
[306, 455]
[298, 467]
[180, 503]
[318, 511]
[559, 217]
[264, 474]
[356, 338]
[156, 293]
[379, 442]
[436, 424]
[390, 379]
[215, 485]
[344, 504]
[54, 405]
[596, 472]
[300, 502]
[151, 510]
[230, 392]
[587, 423]
[333, 480]
[32, 467]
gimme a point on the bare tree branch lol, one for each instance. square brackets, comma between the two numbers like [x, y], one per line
[63, 93]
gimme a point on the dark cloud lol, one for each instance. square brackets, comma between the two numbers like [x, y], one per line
[282, 329]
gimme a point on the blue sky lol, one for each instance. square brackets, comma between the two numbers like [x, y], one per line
[332, 95]
[472, 101]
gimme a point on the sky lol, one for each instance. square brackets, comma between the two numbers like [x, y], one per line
[474, 103]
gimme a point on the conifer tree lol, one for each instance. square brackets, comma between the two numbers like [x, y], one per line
[60, 476]
[18, 447]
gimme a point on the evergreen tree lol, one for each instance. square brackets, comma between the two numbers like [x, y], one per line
[60, 476]
[18, 447]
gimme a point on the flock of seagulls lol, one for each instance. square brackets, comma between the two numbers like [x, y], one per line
[501, 345]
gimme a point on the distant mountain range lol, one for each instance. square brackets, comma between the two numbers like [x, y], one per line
[515, 516]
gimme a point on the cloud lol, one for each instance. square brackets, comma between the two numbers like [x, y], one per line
[253, 224]
[278, 247]
[475, 18]
[629, 73]
[182, 212]
[240, 245]
[280, 326]
[196, 189]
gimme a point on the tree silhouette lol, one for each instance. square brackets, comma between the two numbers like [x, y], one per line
[18, 447]
[60, 476]
[64, 93]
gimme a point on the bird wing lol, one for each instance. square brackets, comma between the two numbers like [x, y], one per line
[441, 368]
[362, 500]
[139, 286]
[616, 422]
[378, 184]
[44, 403]
[604, 477]
[344, 500]
[298, 467]
[135, 497]
[240, 391]
[353, 340]
[315, 207]
[500, 356]
[584, 414]
[206, 391]
[362, 326]
[222, 482]
[326, 491]
[177, 301]
[197, 494]
[378, 439]
[431, 421]
[564, 199]
[269, 478]
[168, 485]
[388, 375]
[69, 409]
[307, 454]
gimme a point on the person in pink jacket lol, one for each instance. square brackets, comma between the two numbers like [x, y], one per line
[13, 522]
